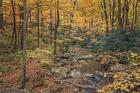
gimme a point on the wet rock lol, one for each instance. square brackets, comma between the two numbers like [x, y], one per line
[62, 71]
[86, 57]
[75, 73]
[64, 62]
[88, 75]
[82, 61]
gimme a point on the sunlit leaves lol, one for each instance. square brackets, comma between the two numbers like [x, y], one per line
[123, 82]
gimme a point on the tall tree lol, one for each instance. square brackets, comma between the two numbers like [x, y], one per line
[136, 10]
[57, 20]
[1, 13]
[106, 15]
[24, 45]
[21, 16]
[126, 14]
[120, 25]
[51, 24]
[14, 35]
[113, 14]
[38, 20]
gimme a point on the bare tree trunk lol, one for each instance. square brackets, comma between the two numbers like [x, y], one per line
[133, 19]
[21, 15]
[42, 21]
[23, 81]
[106, 15]
[1, 14]
[38, 19]
[136, 11]
[110, 11]
[51, 27]
[30, 20]
[120, 26]
[56, 27]
[14, 25]
[113, 15]
[126, 14]
[21, 34]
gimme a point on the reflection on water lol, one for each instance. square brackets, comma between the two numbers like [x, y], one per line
[89, 68]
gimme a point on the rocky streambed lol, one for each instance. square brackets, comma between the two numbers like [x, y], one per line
[86, 67]
[72, 73]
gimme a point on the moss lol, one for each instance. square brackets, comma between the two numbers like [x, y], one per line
[5, 69]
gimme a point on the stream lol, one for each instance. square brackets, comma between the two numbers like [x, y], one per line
[89, 68]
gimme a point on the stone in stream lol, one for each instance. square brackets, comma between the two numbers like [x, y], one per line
[82, 61]
[75, 73]
[61, 71]
[86, 57]
[14, 91]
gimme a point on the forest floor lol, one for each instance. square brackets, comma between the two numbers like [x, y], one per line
[67, 74]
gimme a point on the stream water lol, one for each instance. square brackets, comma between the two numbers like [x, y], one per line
[89, 68]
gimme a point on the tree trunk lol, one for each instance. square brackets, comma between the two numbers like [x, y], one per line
[106, 15]
[51, 26]
[126, 14]
[120, 26]
[136, 11]
[56, 27]
[14, 25]
[23, 81]
[1, 14]
[38, 28]
[113, 15]
[110, 11]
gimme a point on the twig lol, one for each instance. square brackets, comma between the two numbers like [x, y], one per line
[90, 82]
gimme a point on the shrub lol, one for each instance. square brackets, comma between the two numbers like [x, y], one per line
[3, 43]
[121, 41]
[134, 57]
[42, 54]
[86, 41]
